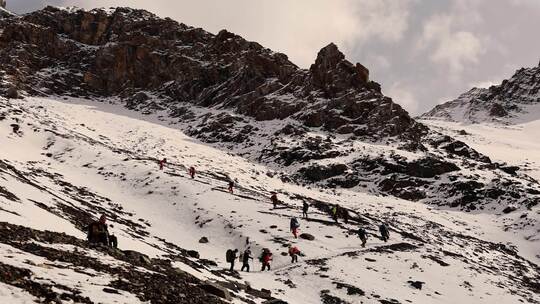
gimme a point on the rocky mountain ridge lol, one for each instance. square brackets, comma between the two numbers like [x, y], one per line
[507, 102]
[329, 124]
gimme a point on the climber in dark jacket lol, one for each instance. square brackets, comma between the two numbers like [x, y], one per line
[385, 234]
[245, 260]
[98, 233]
[294, 225]
[362, 234]
[305, 208]
[274, 199]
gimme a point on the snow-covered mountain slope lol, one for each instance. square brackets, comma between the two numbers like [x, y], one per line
[517, 145]
[73, 159]
[327, 126]
[514, 101]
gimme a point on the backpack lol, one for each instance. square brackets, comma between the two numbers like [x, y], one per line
[362, 233]
[230, 256]
[294, 223]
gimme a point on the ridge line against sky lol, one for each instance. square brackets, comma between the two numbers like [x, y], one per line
[422, 52]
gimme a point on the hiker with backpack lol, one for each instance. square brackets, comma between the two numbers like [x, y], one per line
[265, 258]
[98, 234]
[245, 260]
[231, 186]
[334, 211]
[191, 172]
[294, 225]
[293, 252]
[362, 234]
[385, 234]
[305, 208]
[162, 163]
[274, 199]
[231, 257]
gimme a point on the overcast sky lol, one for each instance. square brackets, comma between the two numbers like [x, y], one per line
[423, 52]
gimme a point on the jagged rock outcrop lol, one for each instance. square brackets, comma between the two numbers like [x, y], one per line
[128, 50]
[3, 3]
[506, 102]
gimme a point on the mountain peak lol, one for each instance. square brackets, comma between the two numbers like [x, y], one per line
[331, 69]
[329, 56]
[514, 100]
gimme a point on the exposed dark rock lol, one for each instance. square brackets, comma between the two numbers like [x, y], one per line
[137, 257]
[509, 209]
[216, 290]
[12, 92]
[193, 254]
[307, 236]
[203, 240]
[512, 170]
[327, 298]
[416, 284]
[274, 301]
[351, 290]
[317, 172]
[497, 110]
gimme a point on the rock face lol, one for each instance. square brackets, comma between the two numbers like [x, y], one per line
[3, 3]
[128, 50]
[309, 120]
[506, 102]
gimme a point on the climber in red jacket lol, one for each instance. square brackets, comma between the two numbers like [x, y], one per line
[162, 163]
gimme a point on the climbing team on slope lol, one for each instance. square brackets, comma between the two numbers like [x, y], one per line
[98, 233]
[266, 255]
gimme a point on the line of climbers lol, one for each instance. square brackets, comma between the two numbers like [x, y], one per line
[100, 234]
[264, 258]
[294, 252]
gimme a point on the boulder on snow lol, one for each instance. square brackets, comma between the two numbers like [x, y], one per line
[509, 209]
[193, 254]
[137, 257]
[12, 92]
[416, 284]
[109, 290]
[216, 290]
[203, 240]
[307, 236]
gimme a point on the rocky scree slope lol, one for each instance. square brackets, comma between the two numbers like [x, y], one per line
[516, 99]
[328, 124]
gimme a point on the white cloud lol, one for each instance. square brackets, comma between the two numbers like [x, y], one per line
[378, 62]
[453, 48]
[403, 96]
